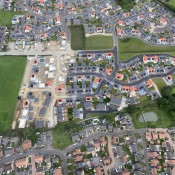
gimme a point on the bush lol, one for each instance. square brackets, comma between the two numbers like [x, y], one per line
[125, 39]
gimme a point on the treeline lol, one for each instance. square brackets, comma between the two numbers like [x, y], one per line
[125, 39]
[166, 4]
[167, 101]
[27, 133]
[125, 4]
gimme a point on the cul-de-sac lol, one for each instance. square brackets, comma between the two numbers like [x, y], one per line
[87, 87]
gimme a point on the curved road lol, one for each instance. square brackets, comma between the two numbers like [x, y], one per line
[63, 154]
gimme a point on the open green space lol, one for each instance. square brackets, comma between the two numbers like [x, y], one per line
[171, 2]
[11, 74]
[61, 137]
[63, 131]
[159, 83]
[125, 4]
[6, 17]
[164, 119]
[77, 37]
[163, 107]
[132, 46]
[96, 42]
[53, 1]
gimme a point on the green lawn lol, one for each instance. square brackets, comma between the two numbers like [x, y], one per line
[135, 47]
[125, 4]
[11, 74]
[61, 137]
[77, 37]
[53, 1]
[98, 42]
[6, 17]
[173, 91]
[164, 119]
[171, 2]
[159, 83]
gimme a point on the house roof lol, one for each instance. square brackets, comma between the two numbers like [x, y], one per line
[108, 71]
[7, 167]
[97, 144]
[115, 101]
[125, 172]
[132, 88]
[149, 83]
[155, 135]
[154, 162]
[97, 80]
[57, 171]
[98, 171]
[21, 162]
[170, 162]
[119, 76]
[39, 173]
[76, 152]
[163, 21]
[38, 158]
[106, 160]
[27, 144]
[148, 135]
[78, 158]
[162, 135]
[120, 22]
[152, 154]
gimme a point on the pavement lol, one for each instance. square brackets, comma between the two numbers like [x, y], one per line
[111, 155]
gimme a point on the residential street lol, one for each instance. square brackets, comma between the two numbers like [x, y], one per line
[63, 154]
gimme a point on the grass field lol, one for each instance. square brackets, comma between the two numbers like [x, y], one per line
[77, 37]
[11, 74]
[125, 4]
[159, 83]
[171, 2]
[61, 137]
[98, 42]
[135, 46]
[164, 119]
[6, 17]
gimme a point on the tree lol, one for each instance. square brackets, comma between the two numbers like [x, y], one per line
[166, 91]
[131, 109]
[163, 103]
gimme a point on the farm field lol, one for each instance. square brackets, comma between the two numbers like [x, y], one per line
[11, 74]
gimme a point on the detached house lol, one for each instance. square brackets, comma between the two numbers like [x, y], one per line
[23, 162]
[148, 59]
[121, 23]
